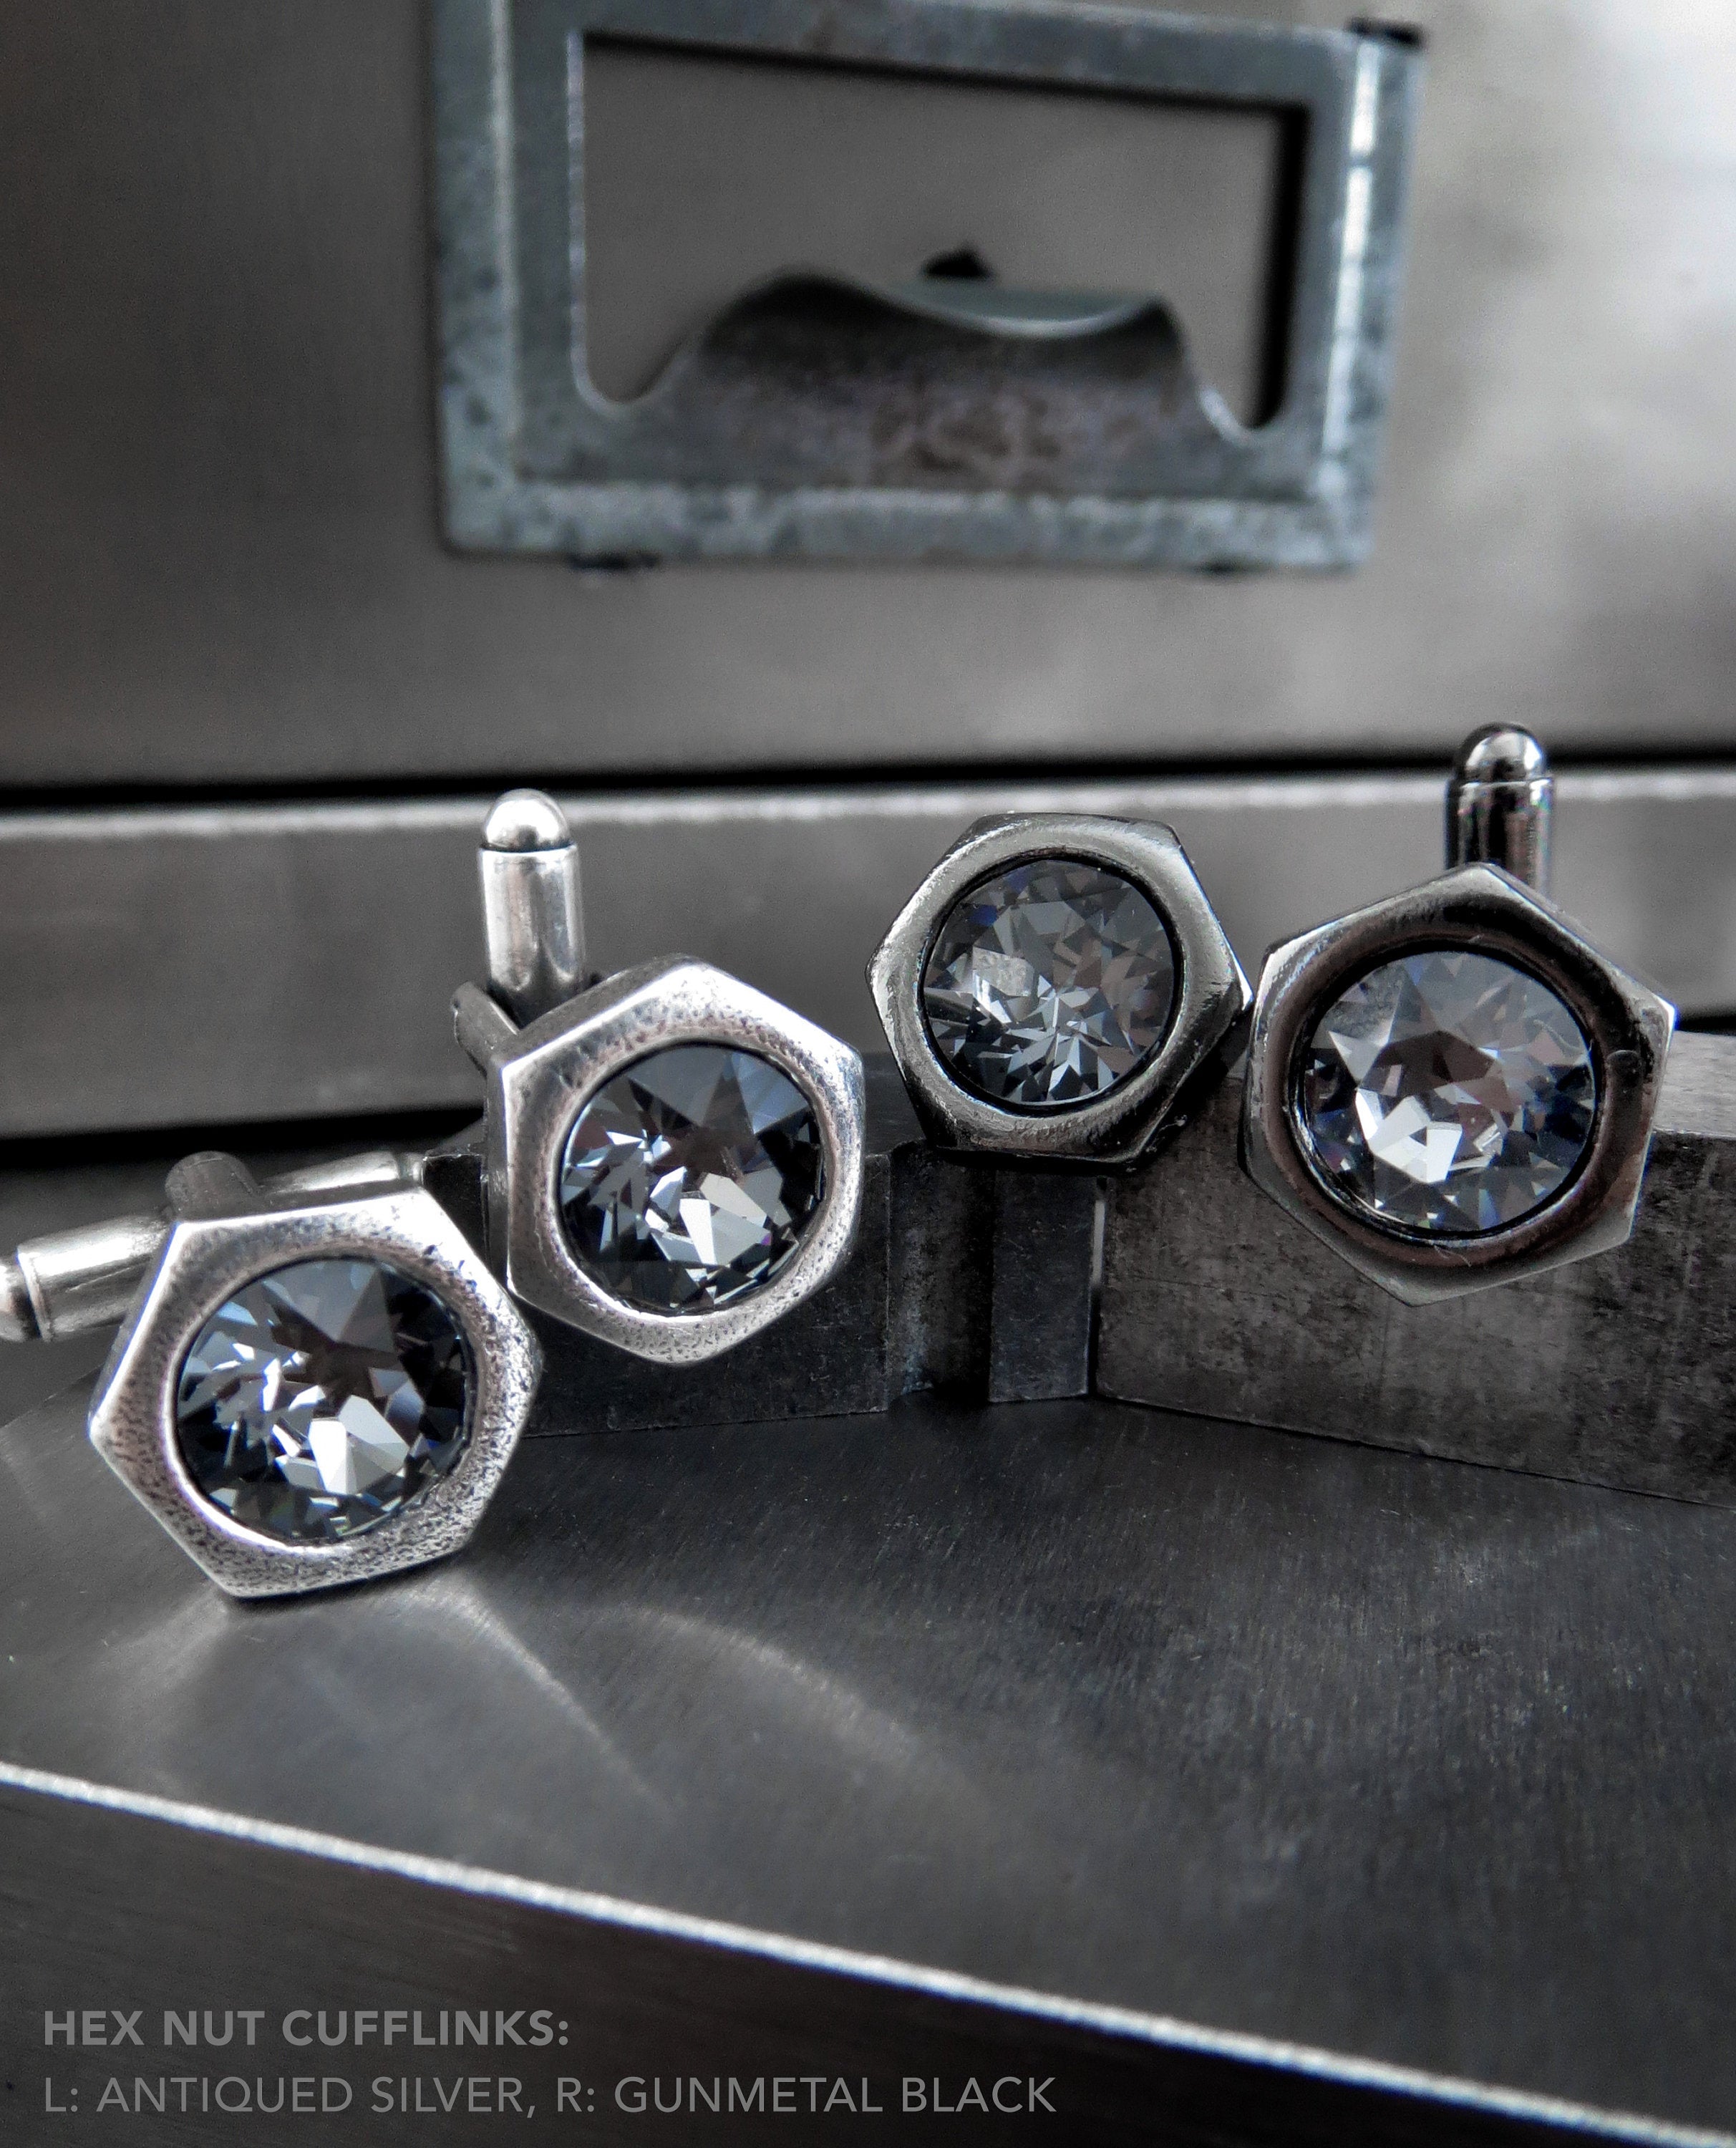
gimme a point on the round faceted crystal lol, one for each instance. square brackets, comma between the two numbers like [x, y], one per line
[1048, 984]
[1447, 1093]
[323, 1397]
[689, 1180]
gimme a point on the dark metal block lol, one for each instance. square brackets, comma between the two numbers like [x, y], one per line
[1045, 1225]
[1618, 1371]
[942, 1265]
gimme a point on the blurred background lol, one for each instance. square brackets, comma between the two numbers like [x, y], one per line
[252, 707]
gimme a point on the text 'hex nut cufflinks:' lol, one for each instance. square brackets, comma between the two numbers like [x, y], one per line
[1453, 1088]
[1053, 985]
[673, 1159]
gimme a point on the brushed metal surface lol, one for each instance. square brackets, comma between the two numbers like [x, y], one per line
[218, 550]
[193, 965]
[768, 2032]
[1401, 1761]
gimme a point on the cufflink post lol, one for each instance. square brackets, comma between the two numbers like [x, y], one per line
[1500, 799]
[532, 914]
[69, 1282]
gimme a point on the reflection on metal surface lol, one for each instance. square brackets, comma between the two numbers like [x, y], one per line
[827, 417]
[1012, 1703]
[532, 911]
[487, 1624]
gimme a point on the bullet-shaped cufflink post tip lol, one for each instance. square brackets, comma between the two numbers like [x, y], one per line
[18, 1322]
[1499, 802]
[525, 821]
[1500, 753]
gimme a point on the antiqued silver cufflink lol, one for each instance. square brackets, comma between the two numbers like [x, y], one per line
[673, 1160]
[1054, 984]
[1453, 1088]
[315, 1382]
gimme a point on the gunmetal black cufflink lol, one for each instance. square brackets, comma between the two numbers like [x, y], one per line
[673, 1159]
[1053, 985]
[1454, 1088]
[315, 1382]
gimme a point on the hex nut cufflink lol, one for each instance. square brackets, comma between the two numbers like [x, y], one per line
[315, 1387]
[1453, 1088]
[1054, 984]
[672, 1160]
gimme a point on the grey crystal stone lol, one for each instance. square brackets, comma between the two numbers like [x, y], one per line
[323, 1397]
[689, 1179]
[1447, 1093]
[1048, 984]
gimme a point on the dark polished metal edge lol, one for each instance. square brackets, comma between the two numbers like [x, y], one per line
[1482, 908]
[1210, 992]
[1121, 2023]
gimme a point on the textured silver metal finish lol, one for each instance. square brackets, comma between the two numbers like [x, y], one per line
[209, 1182]
[823, 418]
[1500, 802]
[1478, 906]
[532, 909]
[538, 1082]
[203, 1261]
[1210, 992]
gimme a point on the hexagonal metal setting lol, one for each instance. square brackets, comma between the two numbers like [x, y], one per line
[540, 1079]
[203, 1261]
[1487, 910]
[1210, 992]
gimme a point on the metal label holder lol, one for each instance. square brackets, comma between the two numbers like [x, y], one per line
[766, 436]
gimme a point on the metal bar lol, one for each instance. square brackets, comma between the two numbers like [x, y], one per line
[789, 888]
